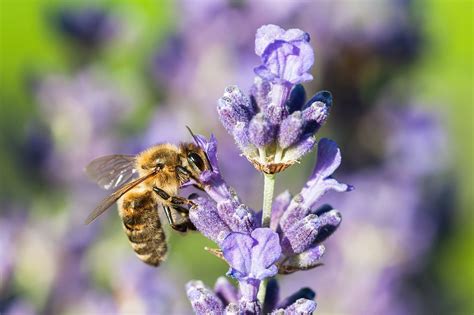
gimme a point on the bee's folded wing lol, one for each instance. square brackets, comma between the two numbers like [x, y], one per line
[112, 171]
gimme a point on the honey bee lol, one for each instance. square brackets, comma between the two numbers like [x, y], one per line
[161, 170]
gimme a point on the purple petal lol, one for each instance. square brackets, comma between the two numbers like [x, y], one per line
[288, 62]
[265, 253]
[294, 34]
[320, 182]
[286, 56]
[226, 291]
[285, 63]
[249, 289]
[276, 110]
[237, 250]
[202, 299]
[329, 159]
[252, 257]
[207, 220]
[210, 148]
[265, 73]
[265, 35]
[214, 184]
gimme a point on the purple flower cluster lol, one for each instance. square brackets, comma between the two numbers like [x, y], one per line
[275, 126]
[254, 253]
[224, 300]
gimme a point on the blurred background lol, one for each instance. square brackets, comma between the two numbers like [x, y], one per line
[80, 79]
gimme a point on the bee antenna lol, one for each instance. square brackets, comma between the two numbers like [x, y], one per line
[192, 133]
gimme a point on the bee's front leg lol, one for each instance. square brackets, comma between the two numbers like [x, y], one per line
[173, 200]
[184, 175]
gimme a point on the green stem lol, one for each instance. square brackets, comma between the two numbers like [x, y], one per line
[262, 291]
[268, 187]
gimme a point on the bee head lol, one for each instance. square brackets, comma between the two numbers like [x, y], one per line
[195, 158]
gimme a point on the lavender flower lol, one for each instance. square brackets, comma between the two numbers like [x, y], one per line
[207, 301]
[286, 55]
[319, 182]
[252, 259]
[273, 126]
[255, 253]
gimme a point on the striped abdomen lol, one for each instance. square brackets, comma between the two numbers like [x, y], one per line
[139, 212]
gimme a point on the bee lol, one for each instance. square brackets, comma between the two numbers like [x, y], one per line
[144, 182]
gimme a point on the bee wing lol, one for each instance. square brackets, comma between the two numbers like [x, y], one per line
[112, 171]
[111, 199]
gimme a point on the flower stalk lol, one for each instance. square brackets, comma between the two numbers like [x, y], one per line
[268, 188]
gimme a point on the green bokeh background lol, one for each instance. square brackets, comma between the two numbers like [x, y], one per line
[443, 76]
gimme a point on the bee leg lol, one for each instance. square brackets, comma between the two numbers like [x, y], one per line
[174, 200]
[184, 175]
[182, 227]
[185, 213]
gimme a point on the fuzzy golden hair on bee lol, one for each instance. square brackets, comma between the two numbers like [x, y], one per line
[146, 183]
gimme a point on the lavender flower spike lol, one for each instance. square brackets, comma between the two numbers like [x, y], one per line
[274, 127]
[228, 213]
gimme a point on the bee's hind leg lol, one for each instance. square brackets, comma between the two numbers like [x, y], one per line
[180, 227]
[176, 203]
[185, 214]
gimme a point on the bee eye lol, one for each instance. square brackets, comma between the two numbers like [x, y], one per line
[195, 159]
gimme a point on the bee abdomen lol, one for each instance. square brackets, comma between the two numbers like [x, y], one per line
[139, 213]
